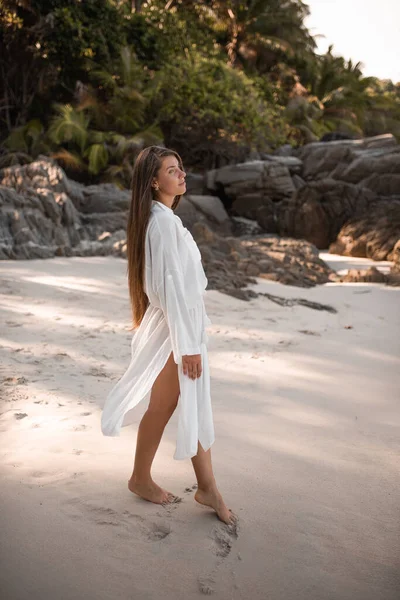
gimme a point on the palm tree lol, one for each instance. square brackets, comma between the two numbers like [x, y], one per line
[106, 129]
[256, 33]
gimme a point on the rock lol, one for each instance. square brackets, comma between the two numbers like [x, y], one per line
[373, 234]
[386, 184]
[70, 215]
[242, 226]
[259, 208]
[42, 173]
[318, 210]
[211, 207]
[75, 192]
[195, 184]
[232, 262]
[285, 150]
[104, 198]
[6, 252]
[395, 257]
[30, 250]
[188, 213]
[322, 160]
[10, 197]
[333, 136]
[245, 174]
[271, 176]
[293, 163]
[362, 167]
[371, 275]
[298, 181]
[96, 224]
[51, 208]
[203, 234]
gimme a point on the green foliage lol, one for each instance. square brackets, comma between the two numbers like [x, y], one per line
[94, 81]
[341, 99]
[211, 112]
[23, 143]
[74, 31]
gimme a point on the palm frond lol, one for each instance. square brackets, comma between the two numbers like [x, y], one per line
[70, 160]
[97, 155]
[69, 125]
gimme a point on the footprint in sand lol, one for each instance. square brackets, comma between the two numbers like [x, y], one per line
[80, 428]
[60, 355]
[308, 332]
[20, 415]
[189, 490]
[102, 515]
[223, 537]
[95, 372]
[14, 381]
[40, 474]
[158, 532]
[206, 585]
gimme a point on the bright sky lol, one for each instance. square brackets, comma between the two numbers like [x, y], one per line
[363, 30]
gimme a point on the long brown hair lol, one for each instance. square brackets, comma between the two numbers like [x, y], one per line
[146, 168]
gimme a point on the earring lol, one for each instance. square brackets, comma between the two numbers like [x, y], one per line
[156, 187]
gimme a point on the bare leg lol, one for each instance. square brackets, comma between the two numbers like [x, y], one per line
[163, 401]
[207, 491]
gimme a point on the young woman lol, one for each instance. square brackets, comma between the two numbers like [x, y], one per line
[169, 360]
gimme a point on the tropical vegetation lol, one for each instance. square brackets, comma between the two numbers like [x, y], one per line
[90, 83]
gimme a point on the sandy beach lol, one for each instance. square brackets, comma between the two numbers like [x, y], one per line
[307, 419]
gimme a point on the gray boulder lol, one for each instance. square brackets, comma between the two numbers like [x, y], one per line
[318, 210]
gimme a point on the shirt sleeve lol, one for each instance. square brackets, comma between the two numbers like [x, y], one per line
[170, 289]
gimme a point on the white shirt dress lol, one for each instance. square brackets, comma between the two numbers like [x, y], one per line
[175, 321]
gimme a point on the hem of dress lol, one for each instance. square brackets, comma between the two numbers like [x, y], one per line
[115, 430]
[190, 456]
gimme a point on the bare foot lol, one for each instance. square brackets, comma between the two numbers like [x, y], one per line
[151, 491]
[213, 498]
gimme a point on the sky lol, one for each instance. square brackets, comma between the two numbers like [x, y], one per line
[363, 30]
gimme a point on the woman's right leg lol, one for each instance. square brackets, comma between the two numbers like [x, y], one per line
[163, 401]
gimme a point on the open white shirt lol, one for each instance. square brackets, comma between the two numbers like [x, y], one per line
[175, 321]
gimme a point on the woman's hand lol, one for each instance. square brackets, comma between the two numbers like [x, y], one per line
[191, 364]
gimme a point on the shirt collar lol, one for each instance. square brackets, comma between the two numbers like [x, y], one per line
[162, 206]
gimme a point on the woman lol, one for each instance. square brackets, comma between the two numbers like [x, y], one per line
[169, 354]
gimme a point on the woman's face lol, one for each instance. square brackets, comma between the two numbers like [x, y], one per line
[170, 179]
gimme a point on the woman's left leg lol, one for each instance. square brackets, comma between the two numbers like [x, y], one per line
[207, 492]
[163, 401]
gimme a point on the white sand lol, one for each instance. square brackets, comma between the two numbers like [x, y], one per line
[307, 417]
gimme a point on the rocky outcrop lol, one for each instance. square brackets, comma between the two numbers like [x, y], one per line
[231, 263]
[340, 195]
[371, 275]
[373, 235]
[271, 178]
[209, 209]
[43, 214]
[395, 257]
[317, 211]
[315, 191]
[321, 159]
